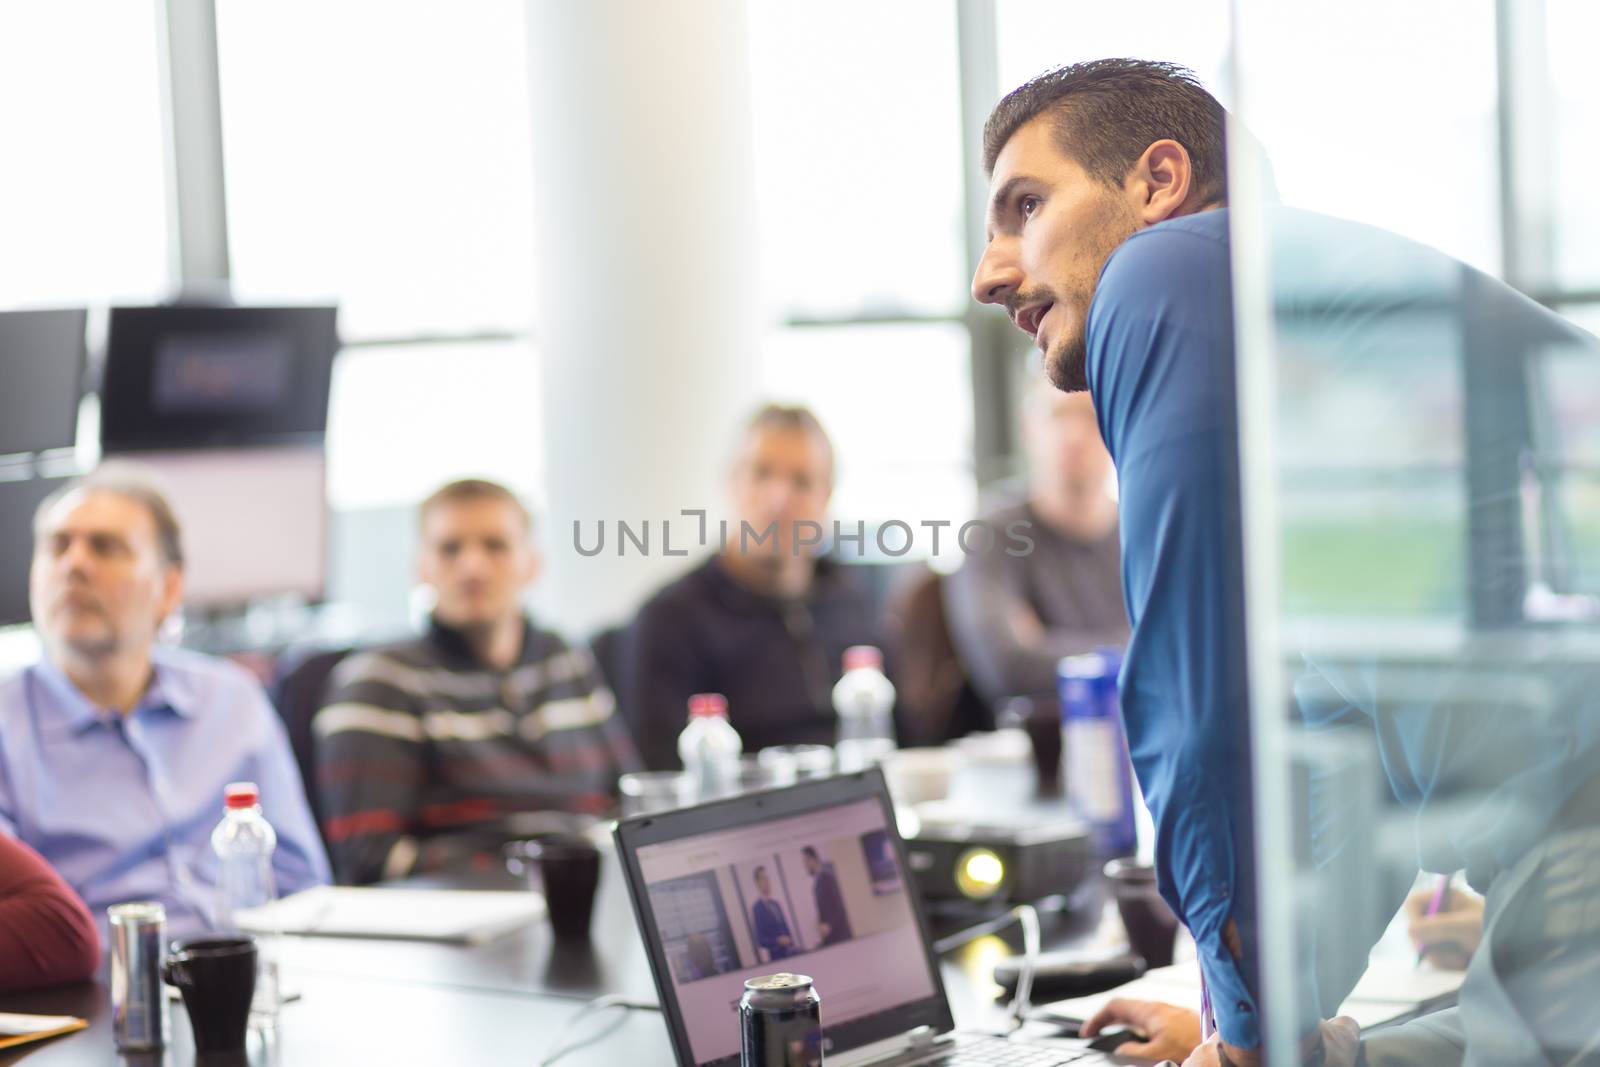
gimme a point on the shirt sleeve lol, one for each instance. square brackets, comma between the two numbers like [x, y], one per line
[47, 936]
[370, 754]
[1005, 647]
[1160, 367]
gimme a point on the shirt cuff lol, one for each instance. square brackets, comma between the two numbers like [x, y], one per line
[1232, 1003]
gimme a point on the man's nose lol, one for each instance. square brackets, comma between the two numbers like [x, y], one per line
[998, 275]
[75, 557]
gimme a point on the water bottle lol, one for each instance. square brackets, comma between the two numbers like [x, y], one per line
[864, 702]
[710, 747]
[244, 842]
[1099, 778]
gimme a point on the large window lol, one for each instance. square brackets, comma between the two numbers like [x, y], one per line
[1035, 35]
[83, 207]
[858, 160]
[378, 152]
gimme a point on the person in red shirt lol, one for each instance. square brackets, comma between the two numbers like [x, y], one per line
[47, 936]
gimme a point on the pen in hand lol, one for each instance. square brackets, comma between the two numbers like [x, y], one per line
[1441, 892]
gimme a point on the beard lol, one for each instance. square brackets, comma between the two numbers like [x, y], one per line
[1066, 363]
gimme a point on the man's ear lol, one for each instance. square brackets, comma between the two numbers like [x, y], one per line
[1158, 187]
[171, 590]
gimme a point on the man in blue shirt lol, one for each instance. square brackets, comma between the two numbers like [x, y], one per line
[1109, 245]
[114, 750]
[772, 929]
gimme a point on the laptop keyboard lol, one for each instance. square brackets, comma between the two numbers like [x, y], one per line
[999, 1053]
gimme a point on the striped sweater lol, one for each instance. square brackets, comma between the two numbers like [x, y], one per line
[418, 744]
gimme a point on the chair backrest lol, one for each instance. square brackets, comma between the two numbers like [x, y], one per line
[937, 703]
[298, 687]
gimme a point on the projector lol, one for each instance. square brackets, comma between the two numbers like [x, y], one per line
[1030, 856]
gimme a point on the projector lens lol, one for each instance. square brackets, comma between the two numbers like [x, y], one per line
[979, 873]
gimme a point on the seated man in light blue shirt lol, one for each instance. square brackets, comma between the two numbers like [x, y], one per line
[113, 750]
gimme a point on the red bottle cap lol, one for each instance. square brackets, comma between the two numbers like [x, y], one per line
[241, 795]
[707, 704]
[862, 656]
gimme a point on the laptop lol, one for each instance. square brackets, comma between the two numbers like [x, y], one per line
[810, 879]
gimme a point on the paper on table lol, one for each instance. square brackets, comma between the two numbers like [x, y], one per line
[20, 1029]
[456, 915]
[1388, 990]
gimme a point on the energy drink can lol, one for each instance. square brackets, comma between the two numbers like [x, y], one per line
[780, 1022]
[1099, 776]
[140, 1018]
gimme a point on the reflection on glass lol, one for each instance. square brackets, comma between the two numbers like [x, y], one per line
[1572, 27]
[1432, 455]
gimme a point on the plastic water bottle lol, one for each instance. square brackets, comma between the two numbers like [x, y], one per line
[244, 842]
[864, 702]
[710, 747]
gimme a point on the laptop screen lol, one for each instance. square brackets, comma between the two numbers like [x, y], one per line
[819, 893]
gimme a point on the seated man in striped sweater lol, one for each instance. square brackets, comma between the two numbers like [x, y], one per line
[422, 748]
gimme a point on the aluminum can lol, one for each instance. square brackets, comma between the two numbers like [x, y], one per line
[780, 1022]
[140, 1018]
[1099, 778]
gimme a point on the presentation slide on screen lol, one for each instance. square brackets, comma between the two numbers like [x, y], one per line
[817, 894]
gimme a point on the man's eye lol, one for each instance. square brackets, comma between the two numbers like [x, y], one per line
[1028, 205]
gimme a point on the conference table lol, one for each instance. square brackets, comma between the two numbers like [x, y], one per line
[505, 1001]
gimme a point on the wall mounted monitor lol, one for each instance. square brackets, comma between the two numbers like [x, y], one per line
[41, 366]
[18, 501]
[185, 377]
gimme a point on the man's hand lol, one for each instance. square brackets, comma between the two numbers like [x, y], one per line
[784, 940]
[1171, 1032]
[1339, 1038]
[1451, 936]
[823, 930]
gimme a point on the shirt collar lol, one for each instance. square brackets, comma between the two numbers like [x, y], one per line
[168, 691]
[452, 644]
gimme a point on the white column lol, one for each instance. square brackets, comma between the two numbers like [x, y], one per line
[646, 323]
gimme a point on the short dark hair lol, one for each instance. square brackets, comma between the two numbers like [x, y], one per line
[791, 418]
[809, 851]
[1108, 111]
[758, 872]
[469, 489]
[132, 480]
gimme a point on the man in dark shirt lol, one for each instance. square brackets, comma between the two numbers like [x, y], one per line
[764, 622]
[772, 929]
[422, 748]
[833, 922]
[1014, 616]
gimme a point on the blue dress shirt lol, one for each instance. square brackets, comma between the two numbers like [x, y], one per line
[1160, 369]
[123, 806]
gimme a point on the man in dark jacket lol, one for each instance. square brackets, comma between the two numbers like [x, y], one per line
[833, 923]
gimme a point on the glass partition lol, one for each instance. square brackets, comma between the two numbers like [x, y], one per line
[1420, 451]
